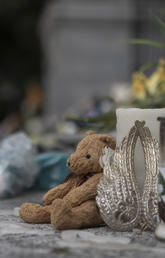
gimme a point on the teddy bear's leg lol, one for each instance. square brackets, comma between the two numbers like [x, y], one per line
[35, 213]
[63, 216]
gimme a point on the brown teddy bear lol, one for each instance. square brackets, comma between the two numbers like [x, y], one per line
[72, 204]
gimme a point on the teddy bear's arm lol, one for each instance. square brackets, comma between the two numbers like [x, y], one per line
[58, 192]
[86, 191]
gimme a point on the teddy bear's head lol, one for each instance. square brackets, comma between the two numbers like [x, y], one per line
[86, 157]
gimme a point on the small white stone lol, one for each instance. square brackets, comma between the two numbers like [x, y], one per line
[160, 231]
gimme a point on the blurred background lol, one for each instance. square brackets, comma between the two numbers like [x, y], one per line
[65, 62]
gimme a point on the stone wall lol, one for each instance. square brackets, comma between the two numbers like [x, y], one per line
[86, 49]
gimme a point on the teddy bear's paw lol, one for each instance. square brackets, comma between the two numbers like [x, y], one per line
[56, 193]
[34, 213]
[50, 196]
[61, 214]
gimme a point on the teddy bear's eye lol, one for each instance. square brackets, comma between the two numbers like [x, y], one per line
[88, 156]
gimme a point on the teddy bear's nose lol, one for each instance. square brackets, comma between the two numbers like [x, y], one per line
[68, 163]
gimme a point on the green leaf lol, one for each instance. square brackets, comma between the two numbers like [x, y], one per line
[145, 67]
[147, 42]
[160, 85]
[158, 21]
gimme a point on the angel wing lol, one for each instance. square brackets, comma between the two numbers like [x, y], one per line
[121, 205]
[150, 196]
[118, 196]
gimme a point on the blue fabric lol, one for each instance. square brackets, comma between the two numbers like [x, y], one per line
[53, 170]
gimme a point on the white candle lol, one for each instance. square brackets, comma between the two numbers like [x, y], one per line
[125, 120]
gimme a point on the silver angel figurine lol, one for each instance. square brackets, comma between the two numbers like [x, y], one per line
[121, 204]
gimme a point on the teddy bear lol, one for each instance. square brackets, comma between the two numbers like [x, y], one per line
[72, 204]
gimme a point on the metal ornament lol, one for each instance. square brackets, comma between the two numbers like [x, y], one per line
[121, 204]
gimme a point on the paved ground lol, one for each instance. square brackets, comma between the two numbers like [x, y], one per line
[21, 240]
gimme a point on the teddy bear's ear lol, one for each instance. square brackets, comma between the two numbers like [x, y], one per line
[89, 132]
[109, 140]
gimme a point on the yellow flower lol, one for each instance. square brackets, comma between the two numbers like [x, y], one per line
[156, 82]
[139, 85]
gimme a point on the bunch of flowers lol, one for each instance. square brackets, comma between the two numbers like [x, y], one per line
[143, 86]
[149, 92]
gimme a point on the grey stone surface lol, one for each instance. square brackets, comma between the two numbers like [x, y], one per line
[20, 240]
